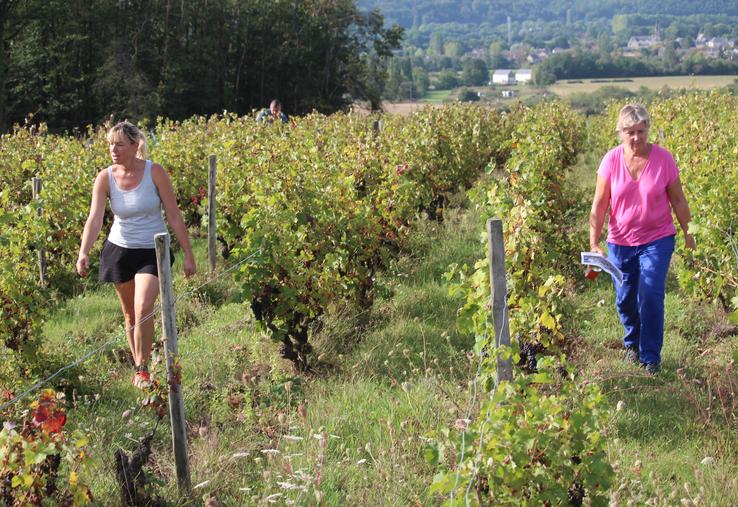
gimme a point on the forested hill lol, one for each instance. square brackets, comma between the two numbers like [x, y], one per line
[413, 13]
[70, 64]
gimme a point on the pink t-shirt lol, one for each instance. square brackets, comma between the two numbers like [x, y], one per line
[639, 210]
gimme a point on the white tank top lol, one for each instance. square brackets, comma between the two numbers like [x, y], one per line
[137, 212]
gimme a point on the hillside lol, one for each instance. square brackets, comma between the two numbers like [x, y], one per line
[412, 13]
[476, 23]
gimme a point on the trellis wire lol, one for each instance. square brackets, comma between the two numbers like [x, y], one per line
[482, 353]
[118, 337]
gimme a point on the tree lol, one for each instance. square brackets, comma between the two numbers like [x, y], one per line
[474, 72]
[620, 23]
[542, 76]
[496, 59]
[519, 52]
[75, 63]
[604, 43]
[669, 56]
[468, 95]
[560, 41]
[453, 48]
[435, 47]
[51, 66]
[10, 27]
[376, 72]
[393, 86]
[447, 80]
[420, 82]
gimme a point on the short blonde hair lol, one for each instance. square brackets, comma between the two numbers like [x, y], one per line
[127, 130]
[632, 114]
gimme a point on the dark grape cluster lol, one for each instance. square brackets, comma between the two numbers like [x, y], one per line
[575, 494]
[6, 489]
[49, 469]
[528, 351]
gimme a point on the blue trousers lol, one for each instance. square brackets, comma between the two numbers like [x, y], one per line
[640, 300]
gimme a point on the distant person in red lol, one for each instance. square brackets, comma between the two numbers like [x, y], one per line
[639, 183]
[271, 114]
[138, 190]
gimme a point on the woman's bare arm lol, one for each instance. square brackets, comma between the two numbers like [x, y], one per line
[679, 204]
[597, 216]
[94, 221]
[174, 215]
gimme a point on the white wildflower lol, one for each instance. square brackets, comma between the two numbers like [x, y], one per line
[287, 485]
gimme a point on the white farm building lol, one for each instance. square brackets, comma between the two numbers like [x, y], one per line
[523, 75]
[503, 77]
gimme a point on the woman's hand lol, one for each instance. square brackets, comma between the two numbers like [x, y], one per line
[189, 265]
[689, 242]
[596, 249]
[83, 264]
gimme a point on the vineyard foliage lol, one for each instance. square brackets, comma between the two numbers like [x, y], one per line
[700, 130]
[313, 209]
[537, 440]
[66, 167]
[317, 206]
[41, 461]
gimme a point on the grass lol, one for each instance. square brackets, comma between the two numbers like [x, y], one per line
[666, 425]
[663, 427]
[436, 96]
[563, 89]
[351, 432]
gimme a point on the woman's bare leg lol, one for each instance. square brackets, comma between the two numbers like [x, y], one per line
[126, 292]
[146, 292]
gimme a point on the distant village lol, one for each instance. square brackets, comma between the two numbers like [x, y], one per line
[637, 47]
[715, 47]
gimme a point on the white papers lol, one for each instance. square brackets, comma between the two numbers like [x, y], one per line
[602, 262]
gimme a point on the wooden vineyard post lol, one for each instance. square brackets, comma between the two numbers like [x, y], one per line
[212, 230]
[174, 375]
[498, 286]
[36, 192]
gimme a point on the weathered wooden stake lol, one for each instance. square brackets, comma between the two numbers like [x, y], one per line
[212, 229]
[498, 290]
[36, 191]
[174, 374]
[376, 126]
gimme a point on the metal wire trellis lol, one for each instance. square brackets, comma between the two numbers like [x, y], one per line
[472, 403]
[118, 337]
[484, 423]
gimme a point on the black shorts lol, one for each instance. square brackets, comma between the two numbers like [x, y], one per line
[119, 264]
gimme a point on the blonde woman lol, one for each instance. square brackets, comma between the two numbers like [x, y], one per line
[137, 190]
[639, 183]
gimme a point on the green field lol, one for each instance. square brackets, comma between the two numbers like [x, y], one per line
[436, 96]
[564, 88]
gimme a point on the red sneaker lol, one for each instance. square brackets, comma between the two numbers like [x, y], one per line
[141, 379]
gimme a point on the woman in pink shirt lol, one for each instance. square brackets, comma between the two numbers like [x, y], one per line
[639, 183]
